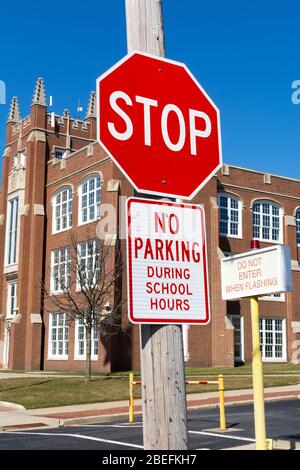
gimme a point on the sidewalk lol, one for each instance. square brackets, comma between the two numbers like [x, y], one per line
[15, 417]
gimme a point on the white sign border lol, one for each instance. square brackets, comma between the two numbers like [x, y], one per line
[284, 251]
[180, 64]
[206, 274]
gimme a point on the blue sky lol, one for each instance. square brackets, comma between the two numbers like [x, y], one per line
[245, 54]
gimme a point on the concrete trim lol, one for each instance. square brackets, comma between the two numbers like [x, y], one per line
[39, 136]
[267, 178]
[295, 326]
[17, 318]
[220, 253]
[113, 186]
[295, 265]
[268, 193]
[225, 170]
[228, 324]
[35, 318]
[6, 151]
[38, 209]
[25, 209]
[110, 239]
[214, 202]
[90, 150]
[289, 220]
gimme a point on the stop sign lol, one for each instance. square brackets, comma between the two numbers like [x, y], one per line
[158, 125]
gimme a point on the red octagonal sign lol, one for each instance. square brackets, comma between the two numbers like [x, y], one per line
[158, 125]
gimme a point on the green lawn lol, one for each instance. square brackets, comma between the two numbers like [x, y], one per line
[246, 370]
[42, 392]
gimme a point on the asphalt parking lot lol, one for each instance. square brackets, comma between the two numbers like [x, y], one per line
[283, 421]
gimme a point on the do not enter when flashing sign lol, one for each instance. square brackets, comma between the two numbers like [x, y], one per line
[167, 262]
[255, 273]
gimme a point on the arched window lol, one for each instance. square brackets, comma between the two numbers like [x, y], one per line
[62, 209]
[89, 199]
[267, 221]
[230, 215]
[298, 226]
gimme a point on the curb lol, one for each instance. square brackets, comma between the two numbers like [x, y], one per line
[116, 416]
[11, 406]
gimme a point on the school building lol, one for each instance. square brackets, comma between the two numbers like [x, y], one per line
[56, 179]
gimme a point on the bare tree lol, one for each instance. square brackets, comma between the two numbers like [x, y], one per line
[86, 284]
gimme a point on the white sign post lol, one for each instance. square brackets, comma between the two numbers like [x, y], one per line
[255, 273]
[167, 263]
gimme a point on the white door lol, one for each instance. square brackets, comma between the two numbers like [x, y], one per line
[6, 346]
[238, 323]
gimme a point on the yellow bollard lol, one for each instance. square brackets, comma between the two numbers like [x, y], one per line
[258, 379]
[222, 403]
[131, 411]
[269, 444]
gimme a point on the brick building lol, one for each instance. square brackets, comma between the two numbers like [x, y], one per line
[55, 181]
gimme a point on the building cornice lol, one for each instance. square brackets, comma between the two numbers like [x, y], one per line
[256, 190]
[70, 175]
[259, 172]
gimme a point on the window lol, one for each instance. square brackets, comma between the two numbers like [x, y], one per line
[58, 336]
[13, 208]
[267, 221]
[230, 215]
[59, 153]
[298, 226]
[80, 343]
[272, 339]
[88, 263]
[12, 299]
[60, 269]
[23, 161]
[90, 192]
[273, 297]
[62, 210]
[238, 324]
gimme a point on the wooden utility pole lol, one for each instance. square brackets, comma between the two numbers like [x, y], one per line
[162, 359]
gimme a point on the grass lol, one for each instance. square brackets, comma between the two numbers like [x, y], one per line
[275, 369]
[53, 391]
[48, 392]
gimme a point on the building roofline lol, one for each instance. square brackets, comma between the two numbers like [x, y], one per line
[262, 172]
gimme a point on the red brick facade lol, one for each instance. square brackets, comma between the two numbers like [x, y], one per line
[32, 173]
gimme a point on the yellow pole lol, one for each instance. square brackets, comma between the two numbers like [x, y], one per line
[131, 412]
[222, 403]
[258, 379]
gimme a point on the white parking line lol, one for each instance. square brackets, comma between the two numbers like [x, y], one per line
[237, 438]
[79, 436]
[110, 425]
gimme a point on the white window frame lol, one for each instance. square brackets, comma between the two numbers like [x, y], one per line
[59, 149]
[65, 340]
[67, 267]
[88, 256]
[68, 204]
[273, 297]
[297, 218]
[96, 205]
[12, 231]
[231, 197]
[77, 355]
[270, 216]
[12, 299]
[263, 332]
[242, 344]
